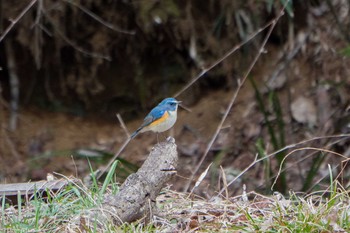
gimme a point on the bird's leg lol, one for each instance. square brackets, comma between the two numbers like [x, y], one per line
[161, 136]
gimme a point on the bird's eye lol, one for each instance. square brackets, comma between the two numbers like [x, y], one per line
[172, 103]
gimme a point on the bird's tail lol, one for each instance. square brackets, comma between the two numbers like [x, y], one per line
[134, 134]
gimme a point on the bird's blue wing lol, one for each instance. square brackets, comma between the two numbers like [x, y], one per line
[154, 115]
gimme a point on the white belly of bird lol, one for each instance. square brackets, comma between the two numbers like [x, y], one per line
[165, 125]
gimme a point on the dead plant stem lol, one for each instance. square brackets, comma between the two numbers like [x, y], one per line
[272, 25]
[15, 21]
[287, 148]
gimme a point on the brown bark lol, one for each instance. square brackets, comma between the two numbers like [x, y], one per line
[138, 193]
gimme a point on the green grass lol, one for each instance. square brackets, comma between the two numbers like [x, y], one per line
[276, 131]
[326, 211]
[58, 212]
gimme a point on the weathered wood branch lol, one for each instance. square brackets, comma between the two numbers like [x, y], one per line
[140, 189]
[28, 190]
[137, 195]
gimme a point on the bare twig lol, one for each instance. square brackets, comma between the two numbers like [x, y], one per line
[304, 148]
[224, 181]
[272, 25]
[256, 160]
[72, 43]
[304, 157]
[229, 53]
[200, 178]
[38, 33]
[99, 19]
[13, 23]
[116, 155]
[283, 149]
[40, 11]
[120, 119]
[317, 182]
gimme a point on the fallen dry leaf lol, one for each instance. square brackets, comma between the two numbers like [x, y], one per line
[304, 111]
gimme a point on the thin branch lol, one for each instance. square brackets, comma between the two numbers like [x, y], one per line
[13, 23]
[73, 44]
[120, 119]
[233, 99]
[38, 42]
[115, 156]
[304, 148]
[229, 53]
[283, 149]
[99, 19]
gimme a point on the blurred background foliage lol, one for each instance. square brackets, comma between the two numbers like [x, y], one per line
[105, 55]
[108, 56]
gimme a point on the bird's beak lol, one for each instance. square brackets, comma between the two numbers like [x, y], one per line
[184, 107]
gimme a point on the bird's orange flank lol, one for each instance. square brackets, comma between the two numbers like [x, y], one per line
[160, 120]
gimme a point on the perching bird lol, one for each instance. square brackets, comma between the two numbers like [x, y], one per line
[161, 118]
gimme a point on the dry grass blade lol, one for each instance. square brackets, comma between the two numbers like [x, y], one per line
[122, 124]
[259, 213]
[116, 155]
[303, 149]
[229, 53]
[200, 178]
[224, 181]
[235, 94]
[13, 23]
[256, 160]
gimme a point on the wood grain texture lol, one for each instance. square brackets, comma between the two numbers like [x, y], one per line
[142, 188]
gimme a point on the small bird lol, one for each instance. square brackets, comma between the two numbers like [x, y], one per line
[161, 118]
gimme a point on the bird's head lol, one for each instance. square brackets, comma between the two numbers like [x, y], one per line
[170, 104]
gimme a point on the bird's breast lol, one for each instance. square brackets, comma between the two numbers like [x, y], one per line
[163, 123]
